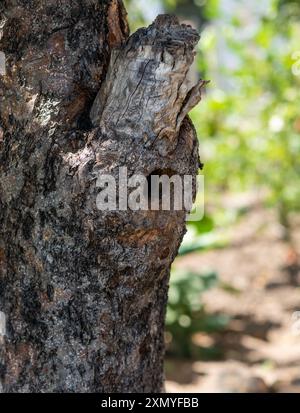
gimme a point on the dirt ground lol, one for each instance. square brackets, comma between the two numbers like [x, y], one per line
[261, 345]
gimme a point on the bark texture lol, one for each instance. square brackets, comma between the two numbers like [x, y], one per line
[83, 292]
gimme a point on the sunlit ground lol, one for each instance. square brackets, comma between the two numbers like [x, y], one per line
[258, 289]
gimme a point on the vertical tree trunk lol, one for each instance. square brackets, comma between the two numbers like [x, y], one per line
[83, 292]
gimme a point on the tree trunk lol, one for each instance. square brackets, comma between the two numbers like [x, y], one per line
[82, 291]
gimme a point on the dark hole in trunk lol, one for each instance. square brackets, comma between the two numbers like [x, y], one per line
[152, 191]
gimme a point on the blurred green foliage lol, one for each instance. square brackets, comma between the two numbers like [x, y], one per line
[186, 314]
[249, 121]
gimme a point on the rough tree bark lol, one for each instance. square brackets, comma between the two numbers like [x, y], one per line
[83, 292]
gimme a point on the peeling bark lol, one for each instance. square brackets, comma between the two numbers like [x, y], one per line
[83, 292]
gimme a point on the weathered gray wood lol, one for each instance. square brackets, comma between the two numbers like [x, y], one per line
[83, 292]
[146, 93]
